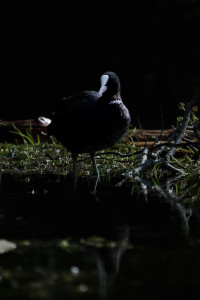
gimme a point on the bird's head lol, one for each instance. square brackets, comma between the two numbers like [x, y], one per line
[110, 83]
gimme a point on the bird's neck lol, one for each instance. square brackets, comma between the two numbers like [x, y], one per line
[107, 98]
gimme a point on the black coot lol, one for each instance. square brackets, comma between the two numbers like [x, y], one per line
[91, 120]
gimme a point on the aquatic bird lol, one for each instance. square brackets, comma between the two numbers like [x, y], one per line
[90, 121]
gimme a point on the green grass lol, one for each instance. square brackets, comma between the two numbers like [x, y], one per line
[45, 158]
[36, 157]
[54, 158]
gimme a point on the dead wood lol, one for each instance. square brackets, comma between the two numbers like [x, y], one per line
[170, 146]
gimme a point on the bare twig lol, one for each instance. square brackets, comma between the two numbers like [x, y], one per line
[174, 141]
[143, 167]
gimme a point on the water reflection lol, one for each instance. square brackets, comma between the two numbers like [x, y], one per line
[131, 234]
[169, 194]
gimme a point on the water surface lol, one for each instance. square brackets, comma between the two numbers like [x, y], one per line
[131, 240]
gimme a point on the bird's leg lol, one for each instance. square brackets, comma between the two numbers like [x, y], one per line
[74, 158]
[95, 171]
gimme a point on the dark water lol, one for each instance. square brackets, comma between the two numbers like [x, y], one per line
[121, 243]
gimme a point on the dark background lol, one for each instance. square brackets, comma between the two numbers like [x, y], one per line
[52, 49]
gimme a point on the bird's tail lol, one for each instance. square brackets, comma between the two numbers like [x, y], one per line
[44, 121]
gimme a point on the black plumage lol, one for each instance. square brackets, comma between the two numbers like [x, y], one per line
[90, 121]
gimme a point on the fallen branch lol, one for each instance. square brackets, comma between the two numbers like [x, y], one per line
[151, 158]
